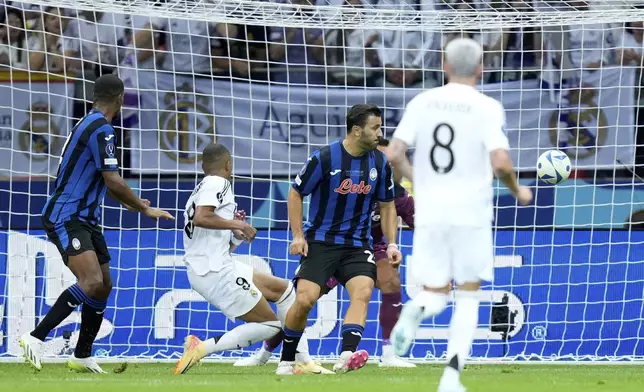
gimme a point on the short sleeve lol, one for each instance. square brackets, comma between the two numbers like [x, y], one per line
[212, 192]
[410, 123]
[494, 136]
[309, 176]
[385, 187]
[102, 143]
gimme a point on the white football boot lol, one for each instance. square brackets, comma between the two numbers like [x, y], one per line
[350, 361]
[84, 365]
[389, 359]
[32, 350]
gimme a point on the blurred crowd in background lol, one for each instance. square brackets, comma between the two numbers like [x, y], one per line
[85, 44]
[71, 41]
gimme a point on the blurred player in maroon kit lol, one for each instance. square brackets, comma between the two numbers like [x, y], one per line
[389, 277]
[388, 281]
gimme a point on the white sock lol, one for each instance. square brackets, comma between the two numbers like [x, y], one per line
[283, 305]
[431, 301]
[462, 327]
[243, 336]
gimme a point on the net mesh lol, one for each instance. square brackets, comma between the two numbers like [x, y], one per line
[273, 81]
[495, 13]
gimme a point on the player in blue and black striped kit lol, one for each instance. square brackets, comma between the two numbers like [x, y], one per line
[88, 169]
[344, 179]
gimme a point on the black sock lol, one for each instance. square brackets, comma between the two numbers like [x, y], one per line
[351, 336]
[91, 320]
[289, 344]
[66, 303]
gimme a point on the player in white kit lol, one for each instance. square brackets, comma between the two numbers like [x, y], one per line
[459, 140]
[212, 231]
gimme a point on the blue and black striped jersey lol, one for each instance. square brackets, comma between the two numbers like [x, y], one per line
[343, 191]
[80, 189]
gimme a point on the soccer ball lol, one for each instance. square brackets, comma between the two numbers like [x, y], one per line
[553, 167]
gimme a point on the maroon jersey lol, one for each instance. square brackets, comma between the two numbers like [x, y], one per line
[404, 208]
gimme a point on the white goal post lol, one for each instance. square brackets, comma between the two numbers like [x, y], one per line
[569, 270]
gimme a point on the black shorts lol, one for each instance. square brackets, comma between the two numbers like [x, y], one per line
[343, 262]
[75, 237]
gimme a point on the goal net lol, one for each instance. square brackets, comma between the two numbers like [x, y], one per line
[273, 81]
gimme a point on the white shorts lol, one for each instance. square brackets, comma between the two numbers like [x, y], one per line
[443, 253]
[230, 290]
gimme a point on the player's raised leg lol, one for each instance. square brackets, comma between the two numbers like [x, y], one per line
[264, 353]
[282, 293]
[232, 291]
[431, 265]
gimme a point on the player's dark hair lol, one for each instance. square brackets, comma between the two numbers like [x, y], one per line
[213, 156]
[358, 115]
[383, 142]
[107, 89]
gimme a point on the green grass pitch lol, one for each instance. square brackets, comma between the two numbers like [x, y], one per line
[211, 377]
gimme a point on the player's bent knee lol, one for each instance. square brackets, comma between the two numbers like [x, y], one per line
[306, 300]
[360, 292]
[107, 287]
[388, 278]
[92, 286]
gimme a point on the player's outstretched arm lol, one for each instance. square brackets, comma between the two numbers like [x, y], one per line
[122, 193]
[206, 218]
[502, 166]
[125, 205]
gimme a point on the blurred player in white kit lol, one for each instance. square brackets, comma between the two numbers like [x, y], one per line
[213, 229]
[459, 140]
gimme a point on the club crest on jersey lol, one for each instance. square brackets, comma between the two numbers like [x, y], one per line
[76, 244]
[373, 174]
[347, 186]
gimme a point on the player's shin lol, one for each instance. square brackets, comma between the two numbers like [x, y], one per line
[461, 335]
[91, 319]
[243, 336]
[351, 336]
[390, 308]
[66, 303]
[291, 341]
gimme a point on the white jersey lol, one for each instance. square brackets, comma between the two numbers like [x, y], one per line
[206, 249]
[453, 128]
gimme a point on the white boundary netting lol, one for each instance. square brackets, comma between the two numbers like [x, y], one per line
[569, 270]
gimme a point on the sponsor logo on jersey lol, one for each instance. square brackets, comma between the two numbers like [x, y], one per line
[347, 186]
